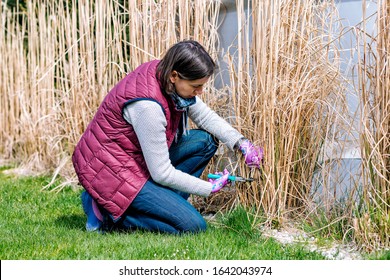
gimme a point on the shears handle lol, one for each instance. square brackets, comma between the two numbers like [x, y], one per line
[216, 176]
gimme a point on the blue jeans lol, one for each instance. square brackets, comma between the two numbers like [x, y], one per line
[161, 209]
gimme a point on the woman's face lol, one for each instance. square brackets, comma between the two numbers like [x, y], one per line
[187, 88]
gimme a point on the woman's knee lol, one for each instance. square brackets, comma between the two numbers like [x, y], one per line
[195, 225]
[210, 142]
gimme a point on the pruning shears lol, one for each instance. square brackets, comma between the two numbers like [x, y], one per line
[231, 178]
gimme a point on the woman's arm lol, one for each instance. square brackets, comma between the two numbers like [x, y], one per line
[207, 119]
[149, 124]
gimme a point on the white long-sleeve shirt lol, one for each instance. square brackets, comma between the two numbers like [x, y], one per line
[149, 123]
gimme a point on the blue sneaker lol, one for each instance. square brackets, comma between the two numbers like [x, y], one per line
[94, 217]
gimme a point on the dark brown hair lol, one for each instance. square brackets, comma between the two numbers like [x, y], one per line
[189, 59]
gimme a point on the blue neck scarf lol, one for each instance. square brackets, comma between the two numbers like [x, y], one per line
[182, 104]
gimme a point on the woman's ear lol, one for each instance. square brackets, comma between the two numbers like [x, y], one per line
[174, 76]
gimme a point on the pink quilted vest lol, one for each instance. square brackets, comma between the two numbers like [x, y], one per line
[108, 159]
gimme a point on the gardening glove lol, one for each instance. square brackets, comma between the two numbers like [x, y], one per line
[253, 154]
[220, 182]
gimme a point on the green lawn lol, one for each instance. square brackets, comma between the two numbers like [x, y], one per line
[45, 225]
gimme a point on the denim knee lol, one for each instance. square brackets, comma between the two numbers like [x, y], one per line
[194, 226]
[211, 143]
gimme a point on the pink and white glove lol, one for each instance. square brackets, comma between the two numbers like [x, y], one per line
[219, 183]
[253, 154]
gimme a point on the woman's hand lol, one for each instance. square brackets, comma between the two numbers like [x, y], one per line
[222, 181]
[253, 154]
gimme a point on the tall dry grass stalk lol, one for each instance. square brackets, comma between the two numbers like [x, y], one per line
[372, 225]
